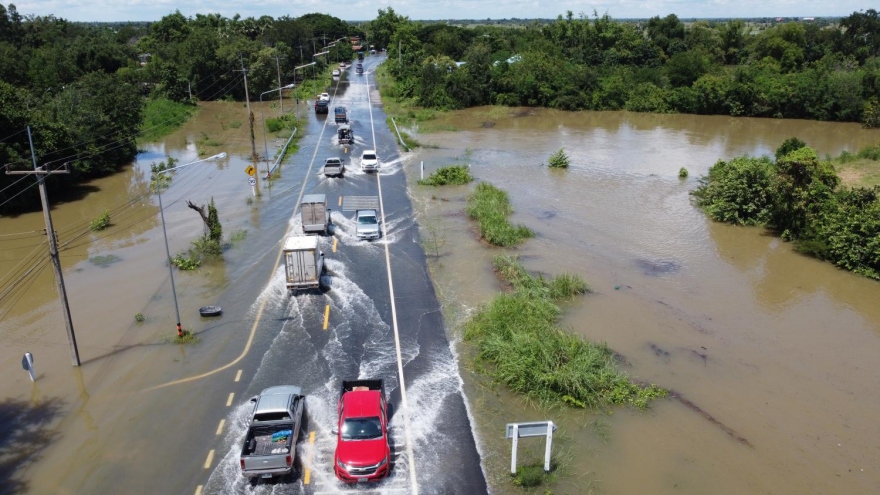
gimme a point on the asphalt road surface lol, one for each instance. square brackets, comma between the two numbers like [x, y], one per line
[382, 317]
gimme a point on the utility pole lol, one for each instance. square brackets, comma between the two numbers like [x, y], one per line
[247, 99]
[41, 173]
[280, 96]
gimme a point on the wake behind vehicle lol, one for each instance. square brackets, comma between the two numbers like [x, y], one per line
[270, 444]
[363, 452]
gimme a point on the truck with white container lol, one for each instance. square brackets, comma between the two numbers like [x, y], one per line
[315, 214]
[303, 263]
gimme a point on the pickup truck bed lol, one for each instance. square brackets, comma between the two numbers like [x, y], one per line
[259, 440]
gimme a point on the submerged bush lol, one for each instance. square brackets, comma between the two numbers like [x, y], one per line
[452, 175]
[490, 206]
[739, 191]
[102, 222]
[559, 159]
[516, 334]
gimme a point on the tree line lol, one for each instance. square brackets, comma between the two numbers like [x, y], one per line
[82, 88]
[792, 69]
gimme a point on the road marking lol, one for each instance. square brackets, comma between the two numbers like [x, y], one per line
[411, 461]
[220, 426]
[198, 490]
[229, 400]
[340, 200]
[334, 244]
[307, 477]
[326, 316]
[238, 376]
[210, 459]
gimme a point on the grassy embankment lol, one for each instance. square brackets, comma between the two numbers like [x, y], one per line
[162, 117]
[405, 111]
[860, 169]
[490, 207]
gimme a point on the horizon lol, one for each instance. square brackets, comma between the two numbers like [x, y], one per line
[134, 11]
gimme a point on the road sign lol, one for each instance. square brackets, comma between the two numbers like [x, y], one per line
[532, 429]
[250, 170]
[252, 181]
[27, 362]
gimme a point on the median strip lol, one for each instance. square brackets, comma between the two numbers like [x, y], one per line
[307, 476]
[198, 490]
[334, 244]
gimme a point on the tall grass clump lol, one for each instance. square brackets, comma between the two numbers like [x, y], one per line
[517, 338]
[490, 206]
[286, 121]
[454, 175]
[163, 116]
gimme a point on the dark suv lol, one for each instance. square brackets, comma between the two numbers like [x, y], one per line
[322, 106]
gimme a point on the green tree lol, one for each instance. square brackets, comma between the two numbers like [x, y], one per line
[801, 186]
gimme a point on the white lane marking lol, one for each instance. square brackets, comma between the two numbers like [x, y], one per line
[229, 400]
[409, 451]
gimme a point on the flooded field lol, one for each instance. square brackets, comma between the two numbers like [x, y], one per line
[774, 351]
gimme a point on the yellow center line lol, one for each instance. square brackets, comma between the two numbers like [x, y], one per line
[198, 490]
[307, 476]
[220, 426]
[229, 400]
[340, 200]
[238, 376]
[334, 244]
[326, 316]
[210, 459]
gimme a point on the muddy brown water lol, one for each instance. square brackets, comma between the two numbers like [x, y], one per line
[778, 348]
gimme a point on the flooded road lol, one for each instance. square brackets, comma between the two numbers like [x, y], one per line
[778, 350]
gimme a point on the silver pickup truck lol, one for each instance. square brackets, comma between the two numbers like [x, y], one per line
[270, 444]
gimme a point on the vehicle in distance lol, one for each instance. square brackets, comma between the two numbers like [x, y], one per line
[360, 55]
[359, 68]
[314, 214]
[340, 115]
[270, 444]
[336, 72]
[369, 161]
[322, 106]
[362, 450]
[367, 224]
[324, 97]
[334, 167]
[345, 134]
[303, 263]
[341, 65]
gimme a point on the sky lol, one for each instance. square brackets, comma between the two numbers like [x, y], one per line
[362, 10]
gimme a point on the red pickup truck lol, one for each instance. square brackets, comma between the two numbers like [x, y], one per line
[362, 450]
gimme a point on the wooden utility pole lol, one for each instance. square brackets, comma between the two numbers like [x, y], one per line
[41, 173]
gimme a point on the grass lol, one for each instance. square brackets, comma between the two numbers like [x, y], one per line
[100, 223]
[559, 159]
[186, 337]
[860, 169]
[490, 207]
[516, 336]
[162, 117]
[455, 175]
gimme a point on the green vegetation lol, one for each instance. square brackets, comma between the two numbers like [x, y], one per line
[100, 223]
[287, 121]
[530, 476]
[490, 207]
[682, 173]
[186, 337]
[207, 246]
[799, 196]
[452, 175]
[558, 159]
[517, 338]
[159, 180]
[139, 317]
[238, 236]
[162, 117]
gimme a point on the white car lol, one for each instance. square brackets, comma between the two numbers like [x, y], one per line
[336, 72]
[324, 97]
[341, 65]
[369, 161]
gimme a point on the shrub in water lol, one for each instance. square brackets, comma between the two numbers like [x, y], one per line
[490, 206]
[451, 175]
[559, 159]
[102, 222]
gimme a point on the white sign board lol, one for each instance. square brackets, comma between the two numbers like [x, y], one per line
[252, 181]
[27, 362]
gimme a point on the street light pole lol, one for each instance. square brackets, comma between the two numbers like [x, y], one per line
[265, 141]
[218, 156]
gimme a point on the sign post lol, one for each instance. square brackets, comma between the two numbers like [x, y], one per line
[27, 362]
[515, 431]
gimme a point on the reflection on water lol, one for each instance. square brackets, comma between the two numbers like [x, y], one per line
[777, 347]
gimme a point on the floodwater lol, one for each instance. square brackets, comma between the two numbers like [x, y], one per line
[774, 353]
[778, 350]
